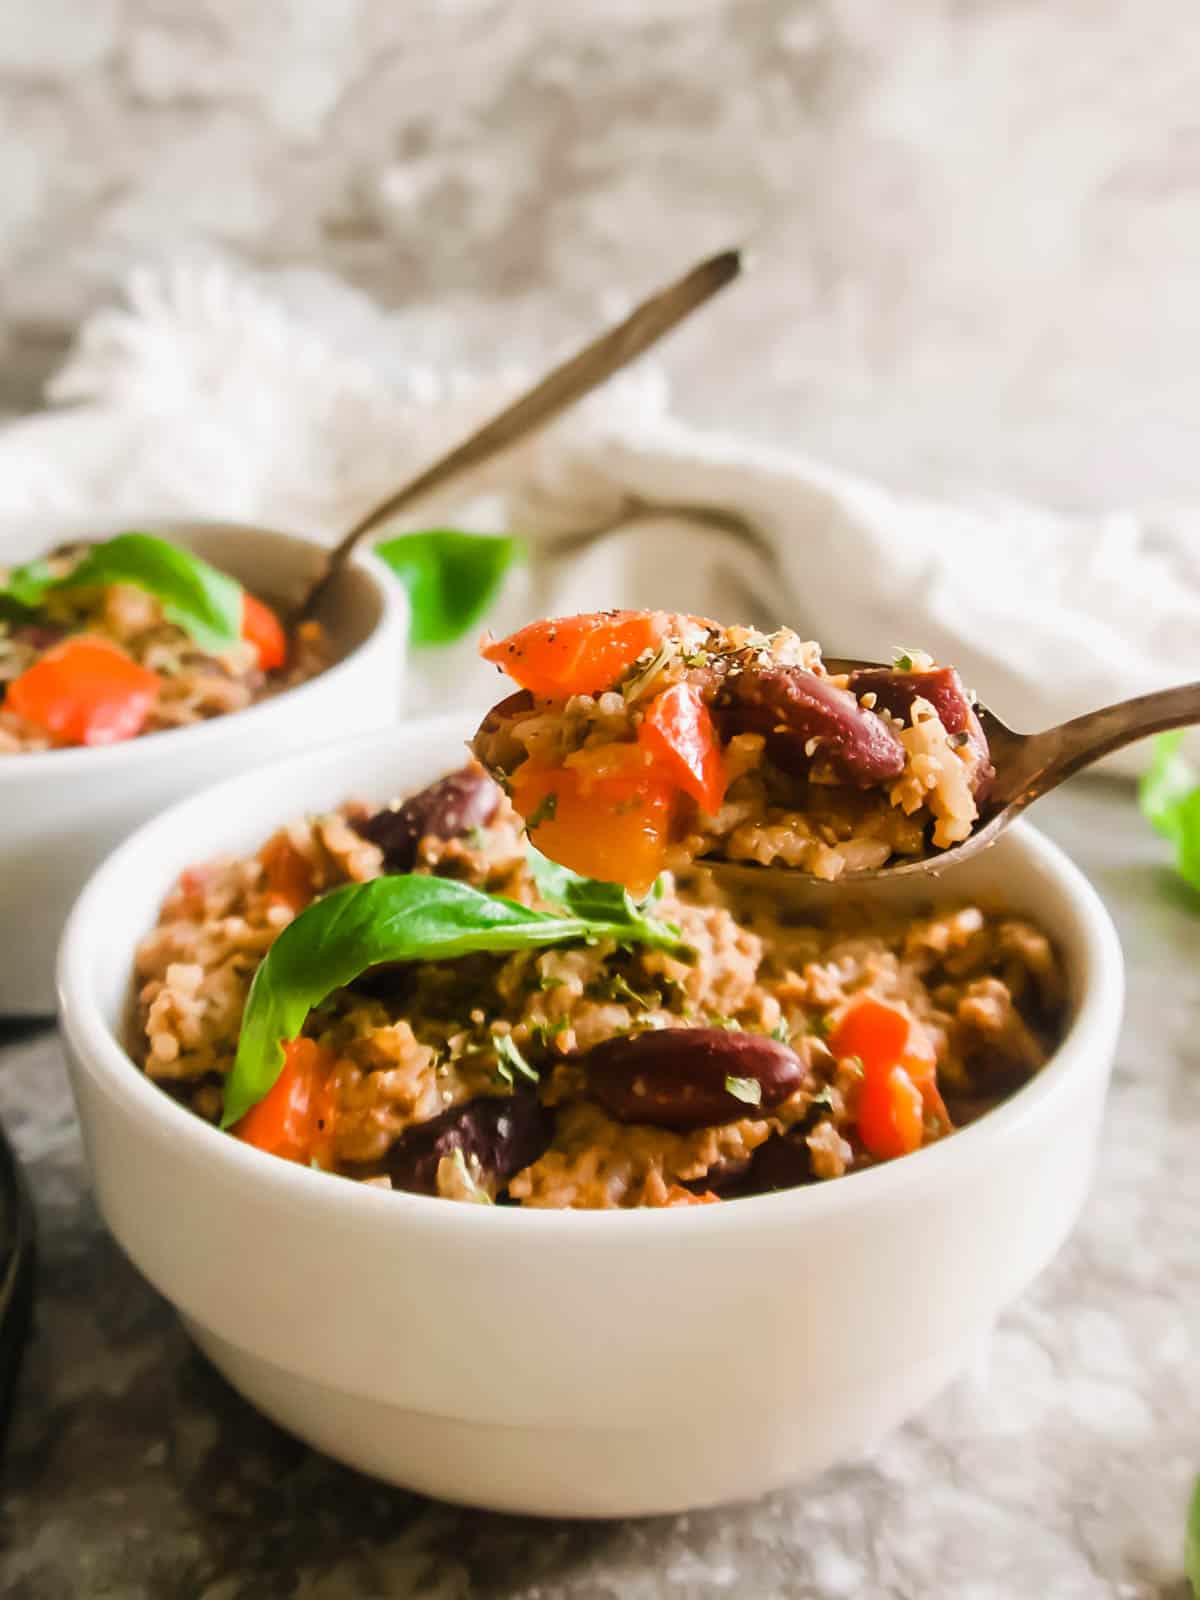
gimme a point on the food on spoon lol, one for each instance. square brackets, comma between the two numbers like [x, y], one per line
[639, 740]
[103, 642]
[415, 998]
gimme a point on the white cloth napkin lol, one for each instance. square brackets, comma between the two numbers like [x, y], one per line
[297, 404]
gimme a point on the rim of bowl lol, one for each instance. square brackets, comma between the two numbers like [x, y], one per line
[63, 763]
[1085, 1046]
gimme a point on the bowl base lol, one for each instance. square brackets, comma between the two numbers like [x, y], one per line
[555, 1470]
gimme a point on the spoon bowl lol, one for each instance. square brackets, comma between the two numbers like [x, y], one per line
[1026, 767]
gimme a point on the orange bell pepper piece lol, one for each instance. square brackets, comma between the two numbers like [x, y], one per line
[561, 656]
[678, 731]
[288, 873]
[606, 815]
[85, 690]
[677, 1195]
[899, 1091]
[890, 1114]
[263, 629]
[294, 1120]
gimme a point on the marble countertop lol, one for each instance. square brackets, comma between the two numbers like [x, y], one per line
[1060, 1466]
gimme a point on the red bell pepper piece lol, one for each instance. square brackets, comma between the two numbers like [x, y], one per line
[288, 873]
[85, 690]
[678, 731]
[263, 629]
[899, 1091]
[677, 1195]
[561, 656]
[294, 1120]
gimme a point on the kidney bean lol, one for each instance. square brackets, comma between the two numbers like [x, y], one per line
[811, 724]
[943, 688]
[783, 1162]
[447, 809]
[503, 1134]
[39, 635]
[676, 1077]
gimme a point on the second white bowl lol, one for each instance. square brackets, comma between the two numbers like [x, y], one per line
[62, 811]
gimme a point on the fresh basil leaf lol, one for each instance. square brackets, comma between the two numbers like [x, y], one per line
[587, 897]
[451, 577]
[1191, 1556]
[400, 918]
[205, 603]
[747, 1090]
[29, 584]
[1169, 795]
[553, 882]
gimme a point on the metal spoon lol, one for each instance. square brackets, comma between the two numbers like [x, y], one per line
[1027, 765]
[560, 388]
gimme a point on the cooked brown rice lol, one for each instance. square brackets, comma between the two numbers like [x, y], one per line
[415, 1044]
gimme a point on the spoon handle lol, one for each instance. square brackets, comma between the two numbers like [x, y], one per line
[1056, 754]
[568, 382]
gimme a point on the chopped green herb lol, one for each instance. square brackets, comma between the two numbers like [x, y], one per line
[475, 1193]
[509, 1059]
[902, 661]
[619, 988]
[782, 1031]
[549, 981]
[547, 1032]
[747, 1090]
[543, 812]
[820, 1027]
[642, 679]
[730, 1024]
[1191, 1554]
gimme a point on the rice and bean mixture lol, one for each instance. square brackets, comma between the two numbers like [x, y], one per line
[763, 754]
[193, 686]
[420, 1096]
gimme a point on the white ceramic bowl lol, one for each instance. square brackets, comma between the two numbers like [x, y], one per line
[571, 1363]
[62, 811]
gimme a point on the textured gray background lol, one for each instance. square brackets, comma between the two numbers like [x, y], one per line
[978, 219]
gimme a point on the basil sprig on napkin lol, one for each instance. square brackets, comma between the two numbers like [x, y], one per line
[1170, 799]
[451, 578]
[411, 918]
[205, 603]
